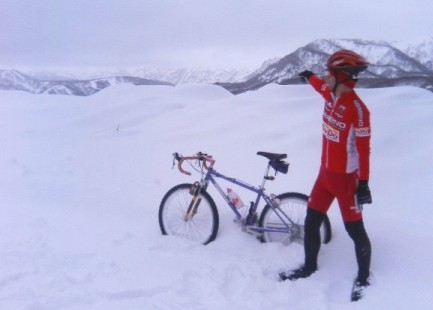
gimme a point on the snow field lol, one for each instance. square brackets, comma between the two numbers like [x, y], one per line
[83, 178]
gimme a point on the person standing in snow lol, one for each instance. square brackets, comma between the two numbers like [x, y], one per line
[344, 171]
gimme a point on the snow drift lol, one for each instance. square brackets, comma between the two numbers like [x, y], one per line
[82, 179]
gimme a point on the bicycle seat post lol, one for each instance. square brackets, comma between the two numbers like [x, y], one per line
[266, 176]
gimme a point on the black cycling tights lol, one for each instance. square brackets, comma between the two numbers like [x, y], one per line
[355, 230]
[359, 236]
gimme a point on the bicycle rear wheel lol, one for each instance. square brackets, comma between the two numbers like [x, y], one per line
[180, 215]
[293, 206]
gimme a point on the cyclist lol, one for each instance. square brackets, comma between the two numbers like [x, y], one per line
[344, 171]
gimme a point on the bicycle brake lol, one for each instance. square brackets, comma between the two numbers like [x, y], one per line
[177, 157]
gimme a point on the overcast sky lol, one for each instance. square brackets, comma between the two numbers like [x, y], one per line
[192, 33]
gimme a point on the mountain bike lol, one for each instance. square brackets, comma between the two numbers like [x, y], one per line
[188, 210]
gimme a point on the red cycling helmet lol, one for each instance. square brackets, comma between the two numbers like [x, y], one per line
[347, 61]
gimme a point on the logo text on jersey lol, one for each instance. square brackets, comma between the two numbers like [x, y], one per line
[362, 132]
[331, 133]
[334, 121]
[360, 113]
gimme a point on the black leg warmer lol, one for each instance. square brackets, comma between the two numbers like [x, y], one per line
[359, 236]
[312, 241]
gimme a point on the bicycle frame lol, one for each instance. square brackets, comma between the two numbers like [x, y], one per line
[250, 221]
[211, 176]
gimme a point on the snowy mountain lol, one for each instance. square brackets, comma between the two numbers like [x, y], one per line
[390, 66]
[422, 50]
[186, 75]
[15, 80]
[84, 83]
[171, 75]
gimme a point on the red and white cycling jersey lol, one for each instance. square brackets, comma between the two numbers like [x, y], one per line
[346, 131]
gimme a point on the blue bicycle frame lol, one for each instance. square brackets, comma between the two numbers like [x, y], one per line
[271, 200]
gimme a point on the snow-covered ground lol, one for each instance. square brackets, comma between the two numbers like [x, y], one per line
[82, 179]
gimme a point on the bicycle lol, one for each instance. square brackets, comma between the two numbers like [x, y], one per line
[189, 211]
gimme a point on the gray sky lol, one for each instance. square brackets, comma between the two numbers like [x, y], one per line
[192, 33]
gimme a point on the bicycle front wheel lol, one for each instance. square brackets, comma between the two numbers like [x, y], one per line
[286, 223]
[181, 215]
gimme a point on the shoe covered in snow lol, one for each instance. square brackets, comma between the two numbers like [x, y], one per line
[300, 273]
[358, 289]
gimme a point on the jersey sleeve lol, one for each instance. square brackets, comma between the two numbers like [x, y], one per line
[321, 87]
[362, 138]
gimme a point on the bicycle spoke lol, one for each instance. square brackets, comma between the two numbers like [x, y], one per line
[199, 225]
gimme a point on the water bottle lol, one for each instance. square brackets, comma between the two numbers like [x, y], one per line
[275, 201]
[234, 198]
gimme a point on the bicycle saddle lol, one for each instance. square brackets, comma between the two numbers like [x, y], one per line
[272, 156]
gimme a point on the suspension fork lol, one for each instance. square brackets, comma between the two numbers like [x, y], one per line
[195, 200]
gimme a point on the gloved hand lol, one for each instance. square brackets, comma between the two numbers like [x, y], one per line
[305, 75]
[363, 194]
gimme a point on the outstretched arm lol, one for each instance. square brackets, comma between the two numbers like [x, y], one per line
[318, 84]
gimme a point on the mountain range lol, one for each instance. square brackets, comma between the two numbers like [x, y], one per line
[391, 64]
[16, 80]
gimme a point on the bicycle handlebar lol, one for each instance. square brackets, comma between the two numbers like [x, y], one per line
[205, 158]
